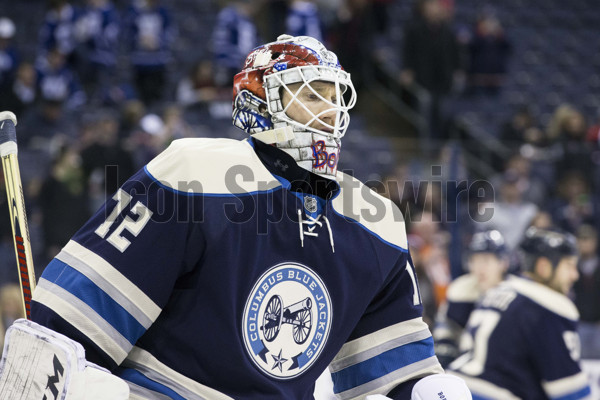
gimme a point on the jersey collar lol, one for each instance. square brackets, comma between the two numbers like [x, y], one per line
[283, 166]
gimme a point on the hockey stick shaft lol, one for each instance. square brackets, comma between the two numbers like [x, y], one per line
[16, 206]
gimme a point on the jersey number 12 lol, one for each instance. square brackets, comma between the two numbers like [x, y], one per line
[133, 226]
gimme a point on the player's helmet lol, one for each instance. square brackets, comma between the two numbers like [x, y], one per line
[258, 90]
[546, 243]
[488, 242]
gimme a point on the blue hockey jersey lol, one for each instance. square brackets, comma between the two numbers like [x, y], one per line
[223, 270]
[523, 344]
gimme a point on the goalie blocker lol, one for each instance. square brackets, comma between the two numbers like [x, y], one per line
[38, 363]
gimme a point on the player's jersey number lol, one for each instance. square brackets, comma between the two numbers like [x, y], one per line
[573, 344]
[475, 338]
[116, 238]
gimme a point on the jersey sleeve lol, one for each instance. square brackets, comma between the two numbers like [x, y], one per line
[391, 346]
[556, 351]
[110, 282]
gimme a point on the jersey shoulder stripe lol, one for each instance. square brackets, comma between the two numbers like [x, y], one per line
[360, 389]
[64, 276]
[373, 212]
[83, 318]
[393, 354]
[211, 167]
[143, 369]
[140, 385]
[96, 299]
[110, 280]
[571, 387]
[545, 297]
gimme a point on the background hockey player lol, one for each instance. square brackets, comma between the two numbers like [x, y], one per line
[487, 264]
[522, 337]
[242, 269]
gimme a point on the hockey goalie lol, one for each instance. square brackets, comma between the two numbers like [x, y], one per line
[238, 269]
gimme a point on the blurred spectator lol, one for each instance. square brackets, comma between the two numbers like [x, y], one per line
[198, 86]
[21, 93]
[98, 32]
[430, 57]
[132, 112]
[587, 291]
[303, 19]
[270, 17]
[150, 33]
[58, 31]
[147, 139]
[543, 220]
[489, 50]
[57, 82]
[574, 204]
[63, 201]
[512, 132]
[9, 58]
[351, 37]
[426, 287]
[106, 164]
[593, 137]
[542, 154]
[593, 133]
[532, 188]
[536, 145]
[234, 36]
[429, 251]
[44, 124]
[381, 14]
[556, 125]
[175, 126]
[568, 130]
[512, 214]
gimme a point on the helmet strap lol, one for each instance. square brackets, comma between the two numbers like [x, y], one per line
[277, 135]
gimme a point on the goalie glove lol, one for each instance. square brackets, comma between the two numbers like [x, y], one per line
[38, 363]
[436, 387]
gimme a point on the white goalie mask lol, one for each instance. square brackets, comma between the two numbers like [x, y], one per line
[294, 94]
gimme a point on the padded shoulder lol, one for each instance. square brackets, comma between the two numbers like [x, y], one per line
[377, 214]
[211, 166]
[463, 289]
[550, 299]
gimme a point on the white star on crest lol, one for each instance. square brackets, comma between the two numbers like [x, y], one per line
[279, 360]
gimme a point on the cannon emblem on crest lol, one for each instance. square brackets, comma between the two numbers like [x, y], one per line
[298, 315]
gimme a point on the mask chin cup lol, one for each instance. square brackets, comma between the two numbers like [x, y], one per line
[277, 135]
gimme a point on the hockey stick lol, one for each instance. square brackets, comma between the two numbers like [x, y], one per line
[16, 205]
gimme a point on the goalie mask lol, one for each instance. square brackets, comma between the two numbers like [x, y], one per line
[293, 93]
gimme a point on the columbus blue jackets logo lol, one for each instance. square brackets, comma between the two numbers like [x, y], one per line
[287, 320]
